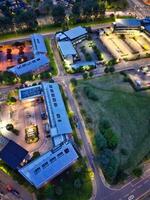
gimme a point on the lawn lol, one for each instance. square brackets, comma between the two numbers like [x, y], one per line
[127, 111]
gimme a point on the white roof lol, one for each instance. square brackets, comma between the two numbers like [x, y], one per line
[67, 48]
[30, 66]
[38, 44]
[49, 165]
[75, 32]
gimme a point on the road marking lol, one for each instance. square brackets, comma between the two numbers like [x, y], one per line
[139, 186]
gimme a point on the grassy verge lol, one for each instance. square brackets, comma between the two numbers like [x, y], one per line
[51, 57]
[112, 99]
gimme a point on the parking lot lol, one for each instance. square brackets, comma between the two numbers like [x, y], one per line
[140, 77]
[22, 115]
[127, 45]
[11, 55]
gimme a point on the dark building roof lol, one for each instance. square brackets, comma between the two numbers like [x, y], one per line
[13, 154]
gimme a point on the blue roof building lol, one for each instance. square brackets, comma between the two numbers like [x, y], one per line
[11, 153]
[49, 165]
[130, 23]
[38, 44]
[36, 64]
[60, 128]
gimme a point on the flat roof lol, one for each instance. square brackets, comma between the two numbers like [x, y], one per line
[82, 64]
[49, 165]
[38, 44]
[57, 114]
[30, 92]
[147, 28]
[13, 154]
[131, 22]
[30, 66]
[67, 48]
[75, 32]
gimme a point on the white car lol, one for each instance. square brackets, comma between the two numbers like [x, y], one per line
[131, 197]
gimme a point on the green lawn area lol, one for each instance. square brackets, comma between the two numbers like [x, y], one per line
[53, 65]
[127, 111]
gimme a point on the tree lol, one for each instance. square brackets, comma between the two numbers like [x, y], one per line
[85, 75]
[109, 164]
[9, 127]
[111, 138]
[100, 142]
[74, 82]
[106, 70]
[90, 74]
[58, 14]
[77, 183]
[111, 69]
[137, 172]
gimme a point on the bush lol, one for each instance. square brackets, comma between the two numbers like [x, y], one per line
[100, 142]
[9, 127]
[74, 82]
[111, 138]
[90, 94]
[137, 172]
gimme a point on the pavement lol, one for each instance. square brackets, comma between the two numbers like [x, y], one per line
[5, 180]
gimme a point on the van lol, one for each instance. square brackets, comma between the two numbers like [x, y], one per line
[47, 128]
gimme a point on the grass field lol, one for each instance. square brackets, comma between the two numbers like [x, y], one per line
[127, 111]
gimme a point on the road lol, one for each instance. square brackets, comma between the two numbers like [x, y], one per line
[5, 180]
[139, 8]
[102, 191]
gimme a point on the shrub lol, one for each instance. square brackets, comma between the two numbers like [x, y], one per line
[100, 142]
[112, 139]
[137, 172]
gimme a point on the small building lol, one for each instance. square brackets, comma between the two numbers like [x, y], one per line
[67, 50]
[49, 165]
[12, 153]
[38, 44]
[36, 65]
[127, 24]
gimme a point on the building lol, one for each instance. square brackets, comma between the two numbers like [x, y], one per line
[38, 44]
[84, 65]
[63, 155]
[147, 29]
[49, 165]
[66, 42]
[75, 35]
[127, 24]
[60, 128]
[12, 153]
[36, 65]
[68, 52]
[39, 63]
